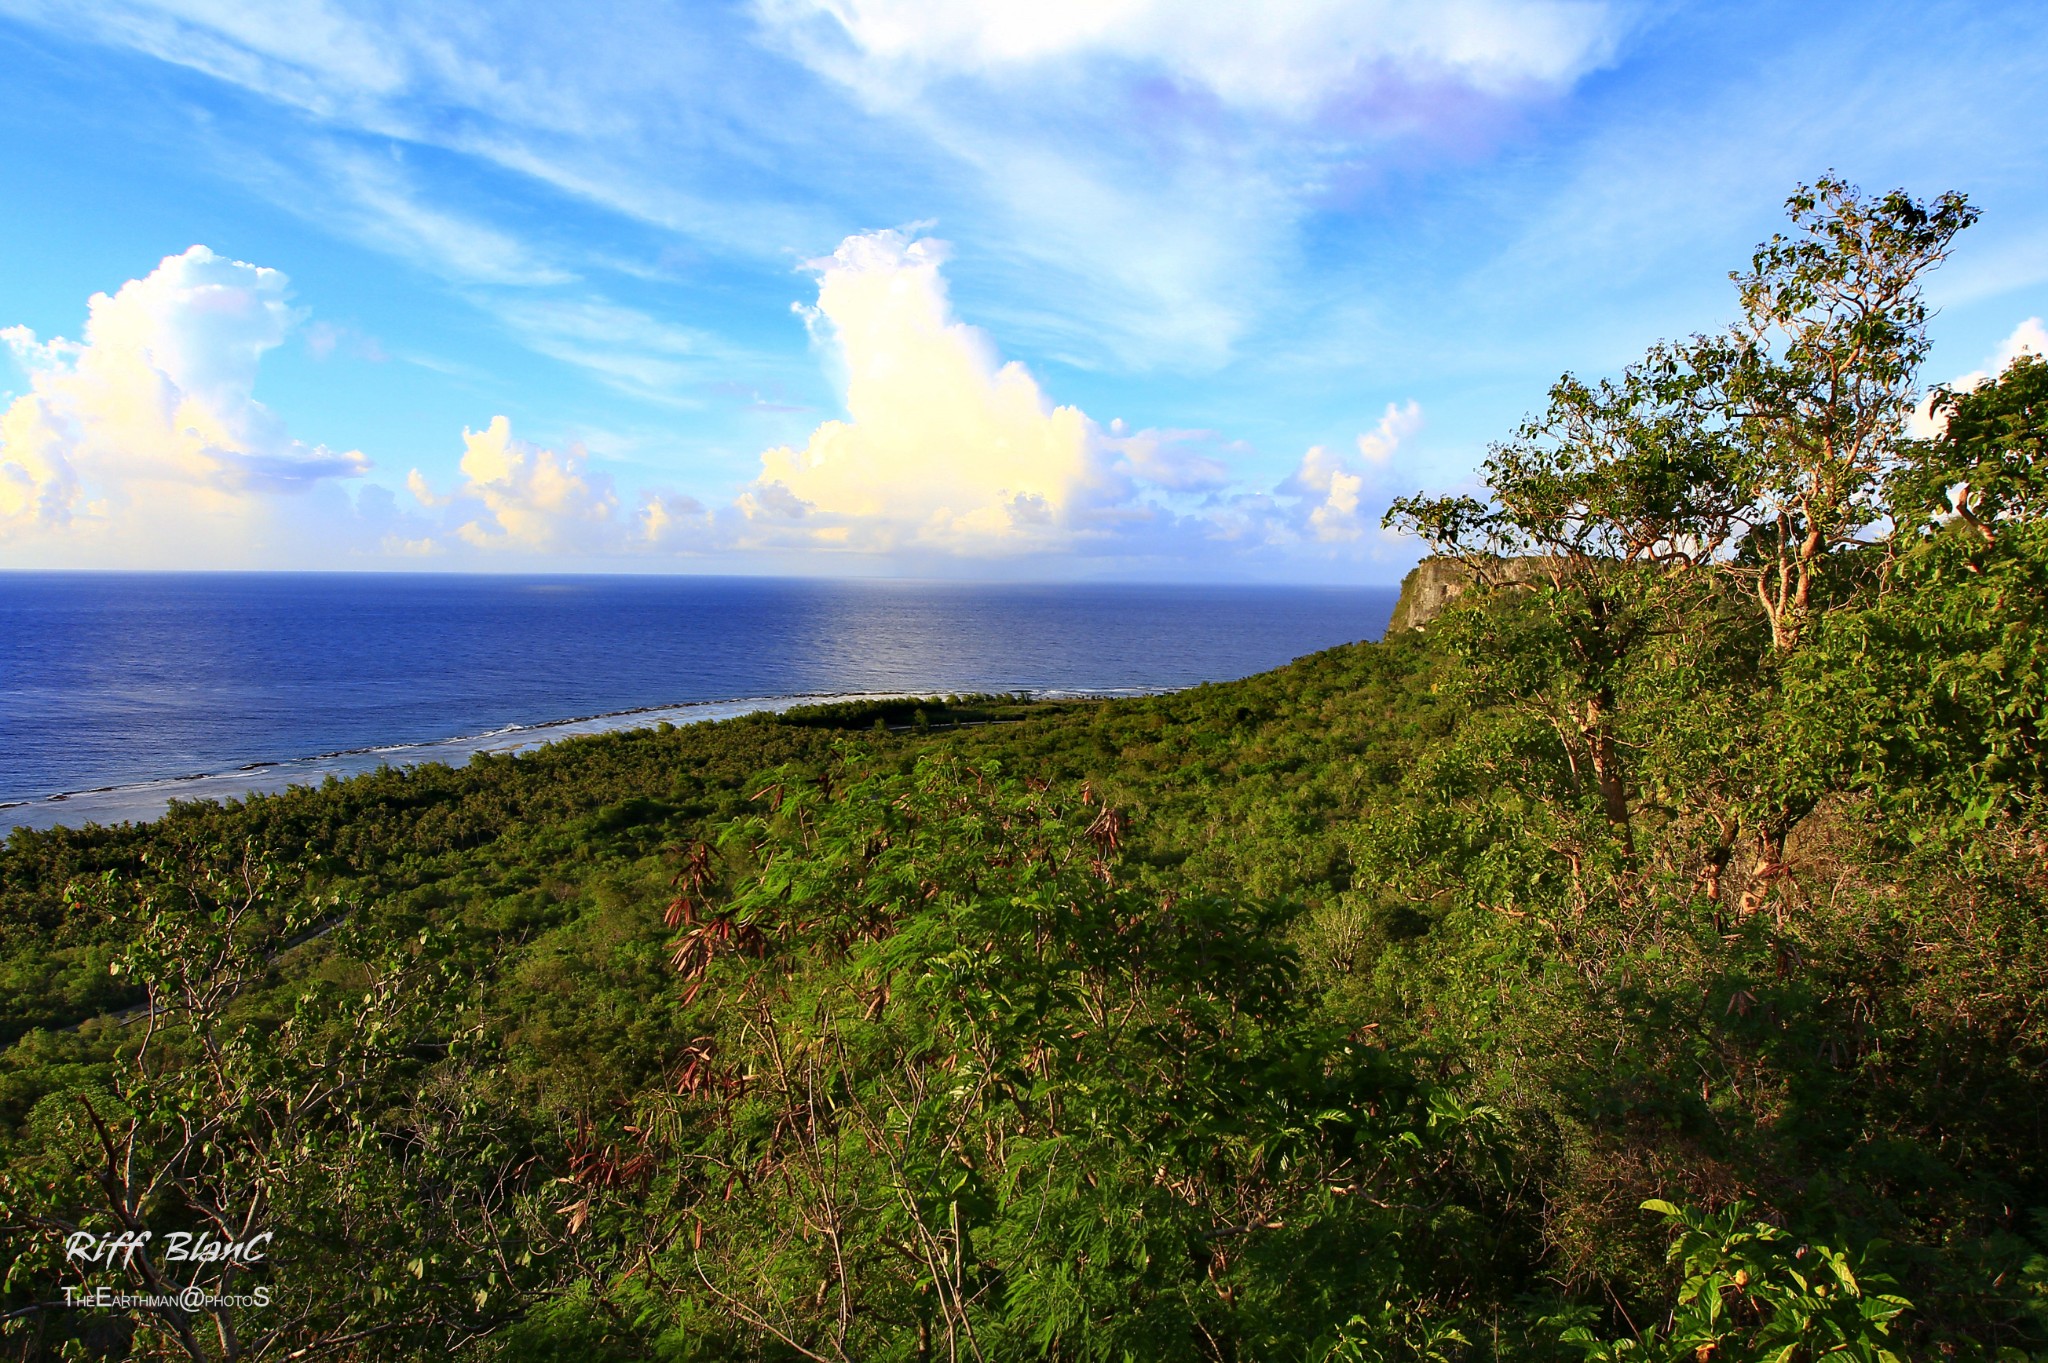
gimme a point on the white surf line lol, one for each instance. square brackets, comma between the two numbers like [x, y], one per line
[144, 801]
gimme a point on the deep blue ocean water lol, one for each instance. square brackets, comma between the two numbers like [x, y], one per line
[122, 691]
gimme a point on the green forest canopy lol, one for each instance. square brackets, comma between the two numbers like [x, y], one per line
[1645, 960]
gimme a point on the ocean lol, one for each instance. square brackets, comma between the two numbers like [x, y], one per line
[121, 692]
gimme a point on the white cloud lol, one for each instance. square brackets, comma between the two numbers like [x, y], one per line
[422, 491]
[1333, 492]
[517, 495]
[1335, 515]
[624, 348]
[324, 340]
[299, 51]
[671, 520]
[949, 451]
[944, 446]
[519, 501]
[2028, 338]
[377, 196]
[1168, 459]
[1397, 423]
[148, 428]
[1175, 258]
[1285, 56]
[146, 435]
[1156, 157]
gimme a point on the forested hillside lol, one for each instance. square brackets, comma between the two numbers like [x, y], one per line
[1647, 959]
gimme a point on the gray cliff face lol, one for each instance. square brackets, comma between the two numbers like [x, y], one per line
[1434, 583]
[1430, 586]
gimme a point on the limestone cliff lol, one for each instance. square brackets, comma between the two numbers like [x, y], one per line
[1434, 583]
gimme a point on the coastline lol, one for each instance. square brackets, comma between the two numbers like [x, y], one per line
[126, 693]
[147, 800]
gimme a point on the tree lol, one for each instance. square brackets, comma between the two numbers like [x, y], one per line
[1816, 380]
[1599, 505]
[1722, 482]
[1990, 462]
[332, 1135]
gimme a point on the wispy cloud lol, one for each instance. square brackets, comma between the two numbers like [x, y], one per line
[386, 206]
[300, 52]
[624, 348]
[1261, 221]
[1162, 157]
[1290, 57]
[1157, 156]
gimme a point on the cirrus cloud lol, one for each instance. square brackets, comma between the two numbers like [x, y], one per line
[1286, 56]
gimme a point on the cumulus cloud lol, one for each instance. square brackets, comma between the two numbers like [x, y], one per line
[949, 450]
[1332, 490]
[2028, 338]
[668, 520]
[1168, 459]
[518, 495]
[143, 443]
[1397, 423]
[519, 499]
[1333, 514]
[149, 425]
[944, 446]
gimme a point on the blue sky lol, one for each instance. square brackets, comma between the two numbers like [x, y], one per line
[1109, 289]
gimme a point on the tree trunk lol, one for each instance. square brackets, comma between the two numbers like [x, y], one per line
[1607, 774]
